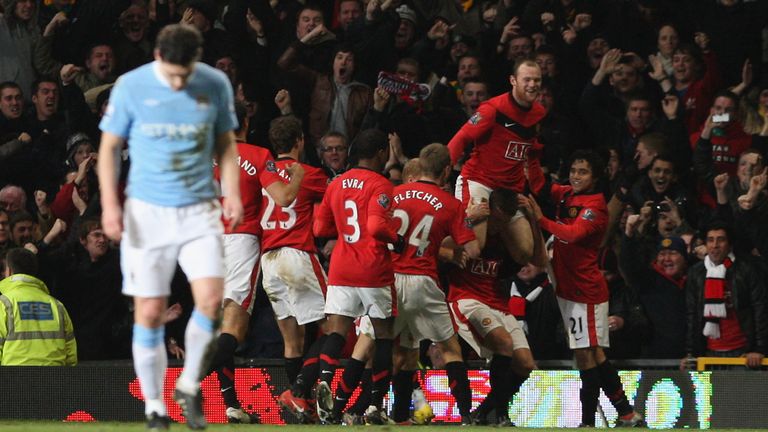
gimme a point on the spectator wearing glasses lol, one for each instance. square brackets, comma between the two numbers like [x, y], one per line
[334, 151]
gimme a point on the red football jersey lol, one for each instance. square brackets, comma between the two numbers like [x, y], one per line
[479, 280]
[355, 206]
[427, 215]
[504, 134]
[292, 226]
[581, 224]
[257, 170]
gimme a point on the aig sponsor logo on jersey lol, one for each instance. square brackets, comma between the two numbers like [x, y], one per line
[484, 267]
[517, 150]
[35, 311]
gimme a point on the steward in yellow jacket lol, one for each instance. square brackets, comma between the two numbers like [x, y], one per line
[35, 329]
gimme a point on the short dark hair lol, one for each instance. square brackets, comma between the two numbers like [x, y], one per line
[179, 44]
[21, 261]
[43, 79]
[719, 224]
[656, 142]
[10, 84]
[727, 94]
[284, 132]
[86, 226]
[504, 200]
[433, 159]
[369, 142]
[20, 216]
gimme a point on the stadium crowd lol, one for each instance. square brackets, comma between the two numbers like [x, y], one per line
[672, 96]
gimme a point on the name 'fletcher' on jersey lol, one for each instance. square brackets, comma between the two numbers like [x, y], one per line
[420, 195]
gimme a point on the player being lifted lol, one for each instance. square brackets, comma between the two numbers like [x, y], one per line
[504, 133]
[582, 292]
[258, 172]
[479, 304]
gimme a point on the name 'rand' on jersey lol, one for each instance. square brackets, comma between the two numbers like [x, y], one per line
[171, 134]
[358, 259]
[257, 171]
[427, 216]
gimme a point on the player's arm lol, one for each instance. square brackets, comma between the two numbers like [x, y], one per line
[108, 171]
[380, 223]
[539, 257]
[584, 225]
[479, 124]
[226, 153]
[284, 193]
[324, 226]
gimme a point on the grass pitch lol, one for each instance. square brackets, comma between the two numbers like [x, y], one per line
[48, 426]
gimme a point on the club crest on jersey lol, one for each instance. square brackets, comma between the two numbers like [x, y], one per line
[271, 166]
[384, 201]
[475, 119]
[202, 102]
[588, 215]
[573, 212]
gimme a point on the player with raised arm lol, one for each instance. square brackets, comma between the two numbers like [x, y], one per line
[177, 114]
[582, 292]
[504, 132]
[258, 172]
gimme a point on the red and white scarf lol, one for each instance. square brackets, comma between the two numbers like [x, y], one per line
[714, 295]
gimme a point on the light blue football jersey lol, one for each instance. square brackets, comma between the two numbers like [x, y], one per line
[171, 134]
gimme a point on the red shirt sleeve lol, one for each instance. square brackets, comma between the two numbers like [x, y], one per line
[460, 232]
[62, 206]
[268, 172]
[478, 125]
[585, 224]
[316, 185]
[380, 223]
[324, 226]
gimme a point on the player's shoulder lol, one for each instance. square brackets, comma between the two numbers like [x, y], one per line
[253, 151]
[140, 75]
[210, 75]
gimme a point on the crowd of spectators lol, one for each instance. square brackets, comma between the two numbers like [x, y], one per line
[675, 93]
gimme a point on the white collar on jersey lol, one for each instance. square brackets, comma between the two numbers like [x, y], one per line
[163, 80]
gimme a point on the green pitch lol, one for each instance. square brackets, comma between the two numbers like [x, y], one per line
[40, 426]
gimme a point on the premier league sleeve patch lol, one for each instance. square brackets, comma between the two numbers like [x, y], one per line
[271, 166]
[588, 215]
[475, 119]
[384, 201]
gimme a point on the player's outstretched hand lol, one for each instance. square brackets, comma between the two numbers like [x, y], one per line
[233, 211]
[112, 221]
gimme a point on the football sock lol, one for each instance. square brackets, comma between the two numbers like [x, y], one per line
[458, 382]
[364, 399]
[402, 384]
[293, 367]
[150, 362]
[198, 337]
[382, 371]
[348, 383]
[329, 356]
[306, 379]
[611, 384]
[590, 391]
[224, 364]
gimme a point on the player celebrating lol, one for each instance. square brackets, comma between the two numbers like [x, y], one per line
[357, 206]
[480, 307]
[503, 131]
[582, 292]
[293, 278]
[258, 172]
[427, 216]
[177, 114]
